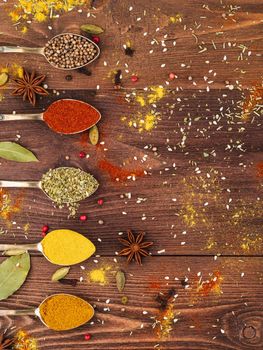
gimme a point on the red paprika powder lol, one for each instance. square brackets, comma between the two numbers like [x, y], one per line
[70, 116]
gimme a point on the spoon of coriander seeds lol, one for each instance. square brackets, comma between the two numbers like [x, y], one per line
[64, 51]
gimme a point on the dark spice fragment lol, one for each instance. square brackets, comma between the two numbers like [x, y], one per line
[129, 51]
[163, 299]
[72, 282]
[84, 70]
[117, 79]
[68, 77]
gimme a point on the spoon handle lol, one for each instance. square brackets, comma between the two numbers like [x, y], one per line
[23, 184]
[32, 246]
[21, 49]
[9, 117]
[17, 312]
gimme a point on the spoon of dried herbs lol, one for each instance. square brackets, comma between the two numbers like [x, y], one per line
[59, 312]
[65, 116]
[64, 185]
[64, 51]
[60, 247]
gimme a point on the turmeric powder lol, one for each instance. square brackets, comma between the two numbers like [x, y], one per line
[66, 247]
[61, 312]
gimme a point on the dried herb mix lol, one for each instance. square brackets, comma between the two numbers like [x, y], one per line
[69, 51]
[68, 186]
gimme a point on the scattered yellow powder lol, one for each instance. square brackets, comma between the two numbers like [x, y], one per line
[143, 122]
[41, 10]
[251, 243]
[9, 206]
[14, 71]
[156, 94]
[26, 228]
[99, 275]
[140, 100]
[178, 18]
[24, 342]
[147, 118]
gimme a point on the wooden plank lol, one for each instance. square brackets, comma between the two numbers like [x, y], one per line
[214, 29]
[231, 319]
[195, 206]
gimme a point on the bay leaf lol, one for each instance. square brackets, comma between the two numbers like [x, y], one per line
[60, 273]
[13, 273]
[91, 29]
[12, 252]
[94, 135]
[120, 280]
[13, 151]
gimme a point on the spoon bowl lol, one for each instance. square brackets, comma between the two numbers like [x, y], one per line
[41, 51]
[39, 312]
[39, 185]
[80, 250]
[44, 116]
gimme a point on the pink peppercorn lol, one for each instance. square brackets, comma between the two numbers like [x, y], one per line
[134, 78]
[87, 336]
[45, 228]
[82, 154]
[96, 39]
[100, 201]
[43, 234]
[171, 76]
[83, 217]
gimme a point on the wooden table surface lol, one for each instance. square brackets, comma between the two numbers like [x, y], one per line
[200, 202]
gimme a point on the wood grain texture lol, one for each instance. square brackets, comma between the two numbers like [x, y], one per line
[200, 318]
[202, 193]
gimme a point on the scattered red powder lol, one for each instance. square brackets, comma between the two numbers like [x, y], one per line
[117, 172]
[155, 285]
[211, 286]
[260, 169]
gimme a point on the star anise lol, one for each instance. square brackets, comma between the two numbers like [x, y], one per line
[135, 247]
[5, 343]
[29, 86]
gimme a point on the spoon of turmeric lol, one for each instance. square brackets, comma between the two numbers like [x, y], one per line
[60, 312]
[65, 116]
[60, 247]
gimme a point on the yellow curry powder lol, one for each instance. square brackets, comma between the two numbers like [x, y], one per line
[63, 311]
[66, 247]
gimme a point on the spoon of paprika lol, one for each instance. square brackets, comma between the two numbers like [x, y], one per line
[65, 116]
[60, 312]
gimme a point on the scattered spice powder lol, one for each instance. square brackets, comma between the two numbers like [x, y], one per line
[254, 98]
[26, 11]
[9, 206]
[14, 71]
[23, 341]
[119, 173]
[99, 275]
[211, 286]
[164, 321]
[147, 118]
[259, 169]
[71, 116]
